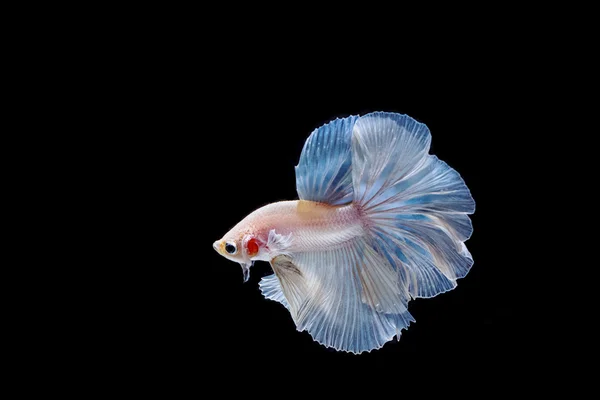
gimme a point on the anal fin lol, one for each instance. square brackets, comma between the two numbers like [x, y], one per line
[348, 298]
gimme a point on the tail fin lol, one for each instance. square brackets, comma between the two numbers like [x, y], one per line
[416, 205]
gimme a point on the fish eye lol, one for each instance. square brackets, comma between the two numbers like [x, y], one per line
[230, 247]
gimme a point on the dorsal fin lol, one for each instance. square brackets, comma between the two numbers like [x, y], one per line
[324, 172]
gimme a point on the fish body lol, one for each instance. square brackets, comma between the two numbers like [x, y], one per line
[379, 222]
[314, 226]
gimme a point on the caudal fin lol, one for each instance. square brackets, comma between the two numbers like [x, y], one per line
[416, 205]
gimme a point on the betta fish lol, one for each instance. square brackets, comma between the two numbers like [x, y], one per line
[379, 222]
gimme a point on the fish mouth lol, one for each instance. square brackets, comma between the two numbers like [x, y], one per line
[216, 246]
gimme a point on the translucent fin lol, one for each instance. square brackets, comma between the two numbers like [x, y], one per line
[324, 171]
[277, 243]
[416, 204]
[414, 263]
[348, 298]
[246, 270]
[271, 289]
[293, 284]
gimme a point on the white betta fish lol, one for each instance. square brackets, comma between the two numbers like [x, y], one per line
[379, 222]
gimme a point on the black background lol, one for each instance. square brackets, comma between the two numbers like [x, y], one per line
[215, 139]
[188, 125]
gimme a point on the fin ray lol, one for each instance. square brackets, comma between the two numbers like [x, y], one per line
[348, 298]
[416, 204]
[271, 289]
[323, 173]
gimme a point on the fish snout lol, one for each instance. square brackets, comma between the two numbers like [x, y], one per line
[216, 246]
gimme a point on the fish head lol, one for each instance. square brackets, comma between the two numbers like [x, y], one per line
[241, 247]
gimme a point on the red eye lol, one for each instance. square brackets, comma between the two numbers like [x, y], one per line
[252, 247]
